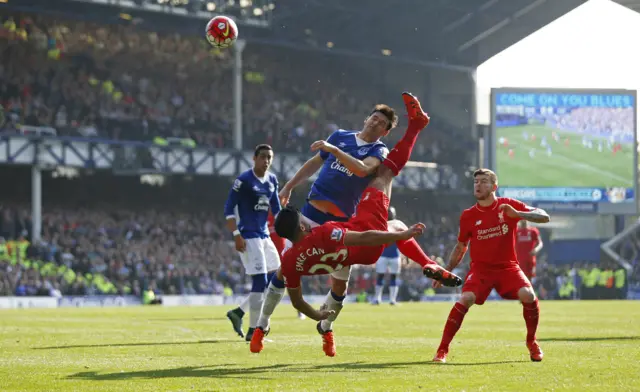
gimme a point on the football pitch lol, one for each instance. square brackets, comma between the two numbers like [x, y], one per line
[588, 345]
[569, 165]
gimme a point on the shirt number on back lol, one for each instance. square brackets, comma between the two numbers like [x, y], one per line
[338, 257]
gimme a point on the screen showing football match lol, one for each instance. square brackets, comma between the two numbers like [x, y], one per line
[566, 150]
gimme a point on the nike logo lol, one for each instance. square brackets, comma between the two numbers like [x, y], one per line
[226, 32]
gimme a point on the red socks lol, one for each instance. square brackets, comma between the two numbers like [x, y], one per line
[452, 325]
[412, 250]
[399, 156]
[531, 314]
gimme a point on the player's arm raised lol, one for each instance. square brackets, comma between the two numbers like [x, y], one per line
[360, 168]
[518, 210]
[307, 170]
[230, 215]
[298, 302]
[376, 237]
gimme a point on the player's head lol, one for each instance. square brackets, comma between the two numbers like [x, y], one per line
[262, 158]
[485, 183]
[392, 213]
[289, 225]
[523, 224]
[380, 121]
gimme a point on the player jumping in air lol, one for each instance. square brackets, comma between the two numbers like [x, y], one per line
[335, 246]
[490, 226]
[344, 174]
[389, 262]
[528, 245]
[253, 194]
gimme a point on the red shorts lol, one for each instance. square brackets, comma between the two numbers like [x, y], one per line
[371, 214]
[507, 282]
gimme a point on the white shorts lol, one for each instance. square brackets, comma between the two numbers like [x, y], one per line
[390, 264]
[260, 257]
[343, 274]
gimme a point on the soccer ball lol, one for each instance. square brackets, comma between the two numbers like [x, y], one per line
[221, 32]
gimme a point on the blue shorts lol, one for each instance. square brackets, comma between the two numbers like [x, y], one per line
[319, 217]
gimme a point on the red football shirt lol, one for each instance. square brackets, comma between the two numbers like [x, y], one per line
[526, 241]
[323, 252]
[492, 233]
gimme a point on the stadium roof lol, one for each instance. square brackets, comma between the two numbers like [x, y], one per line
[435, 32]
[463, 32]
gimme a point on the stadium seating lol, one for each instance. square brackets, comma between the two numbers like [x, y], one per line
[87, 79]
[172, 239]
[83, 79]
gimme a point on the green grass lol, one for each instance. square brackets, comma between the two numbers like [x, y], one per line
[591, 346]
[568, 166]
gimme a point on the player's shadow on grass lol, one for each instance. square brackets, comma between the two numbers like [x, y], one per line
[589, 338]
[391, 365]
[190, 319]
[219, 371]
[142, 344]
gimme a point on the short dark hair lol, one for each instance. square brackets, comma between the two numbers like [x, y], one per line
[486, 172]
[287, 222]
[388, 112]
[261, 147]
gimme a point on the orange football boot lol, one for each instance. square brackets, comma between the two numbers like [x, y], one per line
[257, 340]
[416, 115]
[328, 344]
[435, 272]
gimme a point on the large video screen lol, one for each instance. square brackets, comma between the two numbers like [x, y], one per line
[566, 150]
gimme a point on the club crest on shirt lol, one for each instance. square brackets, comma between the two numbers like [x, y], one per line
[336, 235]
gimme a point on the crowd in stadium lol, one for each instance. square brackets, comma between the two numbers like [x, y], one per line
[83, 79]
[87, 79]
[106, 250]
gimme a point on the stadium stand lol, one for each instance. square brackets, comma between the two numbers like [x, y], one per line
[87, 79]
[84, 79]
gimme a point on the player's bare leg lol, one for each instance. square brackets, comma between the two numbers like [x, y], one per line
[430, 268]
[454, 321]
[335, 302]
[531, 314]
[273, 296]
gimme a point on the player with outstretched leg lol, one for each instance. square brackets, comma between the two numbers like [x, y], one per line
[335, 246]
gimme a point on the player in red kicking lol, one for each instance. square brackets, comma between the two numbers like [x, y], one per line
[528, 244]
[490, 225]
[334, 245]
